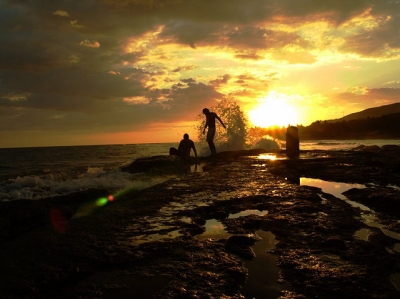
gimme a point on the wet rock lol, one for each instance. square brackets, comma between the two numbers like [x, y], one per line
[240, 153]
[384, 200]
[334, 243]
[316, 250]
[18, 217]
[368, 148]
[390, 149]
[163, 164]
[240, 245]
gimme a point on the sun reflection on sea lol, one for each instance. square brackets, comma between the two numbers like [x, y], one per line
[271, 157]
[267, 157]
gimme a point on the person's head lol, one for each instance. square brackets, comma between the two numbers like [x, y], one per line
[206, 111]
[185, 136]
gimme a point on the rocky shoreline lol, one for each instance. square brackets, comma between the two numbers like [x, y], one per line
[153, 243]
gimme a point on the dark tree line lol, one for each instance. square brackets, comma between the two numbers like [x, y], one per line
[385, 126]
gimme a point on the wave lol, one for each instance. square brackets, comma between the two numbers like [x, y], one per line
[37, 187]
[333, 143]
[344, 144]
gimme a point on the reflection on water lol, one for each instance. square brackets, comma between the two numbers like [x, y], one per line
[263, 270]
[363, 234]
[395, 279]
[367, 214]
[197, 167]
[216, 230]
[372, 221]
[247, 213]
[270, 157]
[336, 189]
[154, 237]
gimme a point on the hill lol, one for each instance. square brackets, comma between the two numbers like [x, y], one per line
[373, 123]
[371, 112]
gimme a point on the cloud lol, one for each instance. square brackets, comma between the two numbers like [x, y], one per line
[124, 64]
[368, 97]
[221, 81]
[90, 44]
[61, 13]
[184, 68]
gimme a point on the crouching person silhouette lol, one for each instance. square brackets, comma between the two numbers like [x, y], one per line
[184, 148]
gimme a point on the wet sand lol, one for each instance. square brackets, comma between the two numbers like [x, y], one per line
[244, 227]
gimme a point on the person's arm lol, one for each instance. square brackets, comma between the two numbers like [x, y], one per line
[180, 147]
[194, 150]
[205, 127]
[217, 117]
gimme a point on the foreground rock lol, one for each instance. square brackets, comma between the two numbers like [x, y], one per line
[149, 244]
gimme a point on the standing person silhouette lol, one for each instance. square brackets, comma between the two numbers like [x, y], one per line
[210, 123]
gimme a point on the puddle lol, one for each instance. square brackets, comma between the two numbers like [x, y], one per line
[395, 280]
[247, 213]
[363, 234]
[263, 270]
[335, 189]
[367, 215]
[216, 230]
[137, 240]
[394, 187]
[157, 231]
[197, 167]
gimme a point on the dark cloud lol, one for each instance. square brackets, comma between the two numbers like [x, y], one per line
[191, 33]
[221, 81]
[184, 68]
[369, 97]
[379, 42]
[260, 38]
[74, 65]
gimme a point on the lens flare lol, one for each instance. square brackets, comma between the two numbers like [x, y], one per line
[101, 202]
[89, 208]
[58, 220]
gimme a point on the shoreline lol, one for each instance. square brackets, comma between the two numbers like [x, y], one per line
[114, 251]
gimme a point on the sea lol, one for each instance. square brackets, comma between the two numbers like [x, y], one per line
[40, 172]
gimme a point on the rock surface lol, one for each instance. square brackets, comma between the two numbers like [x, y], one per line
[147, 244]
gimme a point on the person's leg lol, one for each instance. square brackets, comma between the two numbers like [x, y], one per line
[210, 140]
[214, 150]
[209, 144]
[174, 152]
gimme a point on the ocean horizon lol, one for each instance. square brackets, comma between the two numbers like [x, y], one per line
[40, 172]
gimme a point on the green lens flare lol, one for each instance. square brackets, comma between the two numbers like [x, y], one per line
[101, 201]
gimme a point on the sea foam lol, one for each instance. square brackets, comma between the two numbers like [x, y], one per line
[35, 187]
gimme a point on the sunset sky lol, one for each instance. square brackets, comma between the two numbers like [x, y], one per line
[138, 71]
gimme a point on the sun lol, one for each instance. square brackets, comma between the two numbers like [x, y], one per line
[273, 110]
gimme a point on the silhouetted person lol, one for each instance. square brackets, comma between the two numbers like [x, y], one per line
[184, 148]
[292, 142]
[210, 123]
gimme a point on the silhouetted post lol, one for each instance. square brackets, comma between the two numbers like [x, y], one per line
[292, 142]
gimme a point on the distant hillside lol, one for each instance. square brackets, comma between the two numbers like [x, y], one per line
[371, 112]
[375, 123]
[369, 127]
